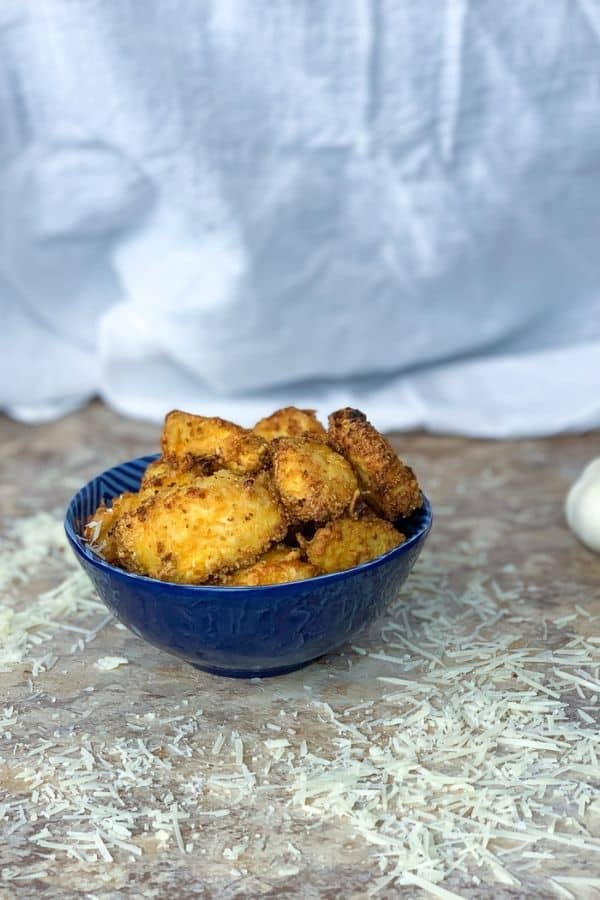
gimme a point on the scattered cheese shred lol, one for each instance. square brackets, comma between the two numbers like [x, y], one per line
[220, 740]
[28, 545]
[111, 662]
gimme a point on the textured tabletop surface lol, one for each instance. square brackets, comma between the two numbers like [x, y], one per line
[452, 751]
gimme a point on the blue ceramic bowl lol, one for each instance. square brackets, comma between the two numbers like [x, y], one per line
[241, 631]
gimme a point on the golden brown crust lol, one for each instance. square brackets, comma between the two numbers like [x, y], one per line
[189, 534]
[159, 476]
[314, 482]
[348, 542]
[99, 531]
[162, 474]
[191, 440]
[389, 485]
[291, 422]
[220, 496]
[277, 565]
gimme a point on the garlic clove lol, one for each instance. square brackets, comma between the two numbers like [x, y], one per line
[582, 506]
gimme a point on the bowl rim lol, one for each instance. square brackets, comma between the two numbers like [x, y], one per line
[85, 553]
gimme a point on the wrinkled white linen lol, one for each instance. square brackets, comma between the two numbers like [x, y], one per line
[231, 205]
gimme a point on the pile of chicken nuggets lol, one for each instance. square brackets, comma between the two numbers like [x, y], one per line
[283, 501]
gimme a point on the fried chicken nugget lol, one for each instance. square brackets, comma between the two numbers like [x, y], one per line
[291, 422]
[190, 439]
[160, 475]
[277, 565]
[390, 486]
[314, 482]
[348, 542]
[188, 534]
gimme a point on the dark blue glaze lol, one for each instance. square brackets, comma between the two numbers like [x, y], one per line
[242, 631]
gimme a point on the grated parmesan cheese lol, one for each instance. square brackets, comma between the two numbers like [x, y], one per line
[29, 544]
[107, 663]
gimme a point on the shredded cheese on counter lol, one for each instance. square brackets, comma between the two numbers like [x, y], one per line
[111, 662]
[469, 757]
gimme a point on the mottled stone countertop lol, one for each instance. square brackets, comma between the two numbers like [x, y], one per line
[474, 770]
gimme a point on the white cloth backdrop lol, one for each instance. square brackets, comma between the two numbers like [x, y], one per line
[229, 205]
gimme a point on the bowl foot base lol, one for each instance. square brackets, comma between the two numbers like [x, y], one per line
[252, 673]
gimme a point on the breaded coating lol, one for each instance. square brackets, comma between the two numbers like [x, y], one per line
[277, 565]
[390, 487]
[348, 542]
[284, 502]
[192, 439]
[291, 422]
[161, 474]
[188, 534]
[314, 482]
[99, 531]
